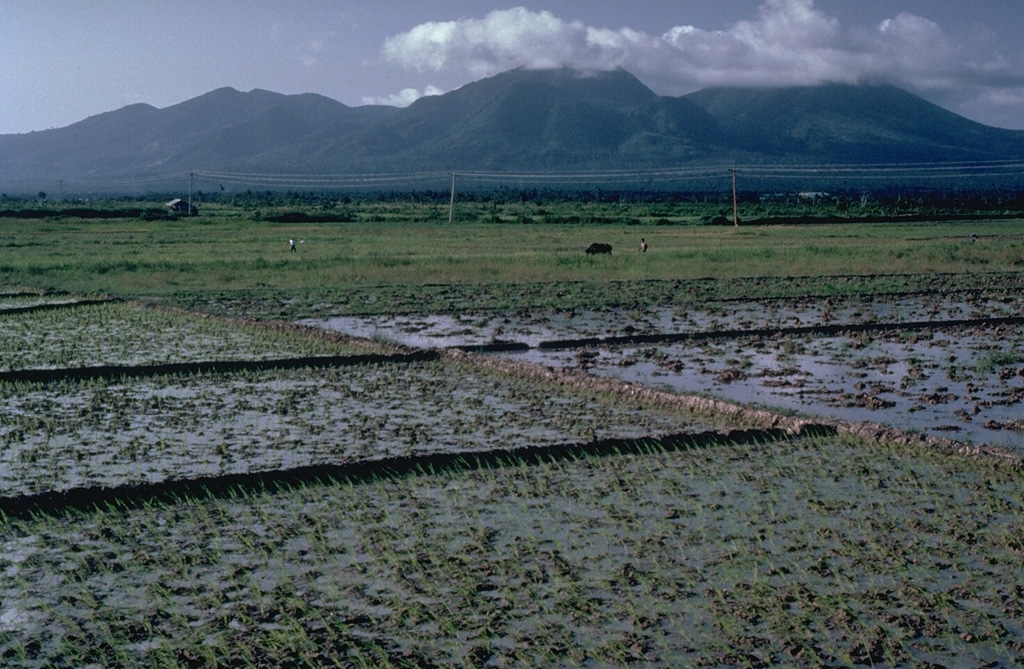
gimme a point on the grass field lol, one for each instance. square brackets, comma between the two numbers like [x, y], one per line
[814, 550]
[230, 253]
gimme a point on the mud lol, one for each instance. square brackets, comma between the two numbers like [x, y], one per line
[581, 326]
[374, 469]
[947, 383]
[945, 365]
[126, 431]
[211, 519]
[748, 413]
[19, 305]
[108, 372]
[815, 330]
[804, 552]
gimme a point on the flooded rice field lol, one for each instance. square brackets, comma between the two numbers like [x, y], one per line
[539, 326]
[946, 365]
[93, 334]
[797, 549]
[806, 553]
[936, 383]
[113, 432]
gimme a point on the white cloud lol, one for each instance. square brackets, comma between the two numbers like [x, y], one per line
[403, 98]
[501, 40]
[790, 42]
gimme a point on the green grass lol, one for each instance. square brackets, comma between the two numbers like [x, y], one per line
[229, 251]
[995, 359]
[808, 552]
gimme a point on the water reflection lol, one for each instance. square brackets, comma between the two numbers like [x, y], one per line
[963, 383]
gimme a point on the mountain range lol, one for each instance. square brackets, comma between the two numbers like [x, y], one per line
[520, 120]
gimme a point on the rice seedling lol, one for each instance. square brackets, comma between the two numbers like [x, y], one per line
[807, 551]
[792, 553]
[127, 334]
[144, 431]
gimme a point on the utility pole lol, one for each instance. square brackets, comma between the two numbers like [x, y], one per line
[451, 204]
[735, 205]
[191, 175]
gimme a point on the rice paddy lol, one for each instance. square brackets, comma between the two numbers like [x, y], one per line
[118, 333]
[809, 553]
[107, 433]
[449, 510]
[949, 365]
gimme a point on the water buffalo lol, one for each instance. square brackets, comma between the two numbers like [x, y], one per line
[598, 247]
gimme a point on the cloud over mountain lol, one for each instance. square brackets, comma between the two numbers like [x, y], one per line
[522, 120]
[404, 97]
[790, 42]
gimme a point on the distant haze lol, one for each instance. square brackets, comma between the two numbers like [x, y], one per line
[63, 61]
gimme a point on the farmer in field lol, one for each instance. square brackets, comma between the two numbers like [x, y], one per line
[291, 244]
[643, 245]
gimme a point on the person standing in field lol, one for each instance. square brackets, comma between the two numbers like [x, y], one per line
[291, 244]
[643, 245]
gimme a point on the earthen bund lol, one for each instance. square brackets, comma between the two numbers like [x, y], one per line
[765, 426]
[50, 306]
[766, 333]
[210, 367]
[135, 495]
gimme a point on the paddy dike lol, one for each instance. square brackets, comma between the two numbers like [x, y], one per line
[364, 509]
[86, 435]
[43, 303]
[366, 471]
[950, 366]
[109, 372]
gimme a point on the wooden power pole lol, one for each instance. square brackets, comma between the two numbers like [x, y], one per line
[451, 203]
[735, 205]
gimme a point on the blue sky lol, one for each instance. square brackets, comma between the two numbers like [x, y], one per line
[64, 60]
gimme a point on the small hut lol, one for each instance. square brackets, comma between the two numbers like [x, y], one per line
[179, 206]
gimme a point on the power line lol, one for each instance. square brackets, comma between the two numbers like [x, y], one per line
[676, 175]
[322, 180]
[947, 170]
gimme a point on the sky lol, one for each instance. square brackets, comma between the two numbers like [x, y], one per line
[64, 60]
